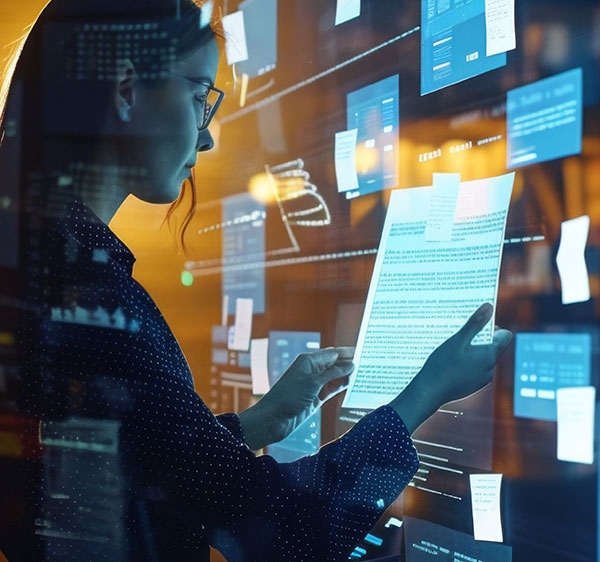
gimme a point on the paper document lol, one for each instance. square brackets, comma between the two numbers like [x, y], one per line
[442, 207]
[499, 26]
[485, 503]
[236, 48]
[242, 327]
[346, 10]
[345, 160]
[575, 416]
[422, 292]
[570, 260]
[259, 369]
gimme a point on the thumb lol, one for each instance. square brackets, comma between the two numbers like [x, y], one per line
[502, 339]
[475, 324]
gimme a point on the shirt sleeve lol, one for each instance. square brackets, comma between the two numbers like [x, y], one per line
[253, 508]
[232, 423]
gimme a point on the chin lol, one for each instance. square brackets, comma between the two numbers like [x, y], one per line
[162, 196]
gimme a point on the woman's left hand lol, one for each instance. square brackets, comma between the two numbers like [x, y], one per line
[308, 382]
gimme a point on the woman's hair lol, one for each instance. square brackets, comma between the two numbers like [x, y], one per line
[73, 49]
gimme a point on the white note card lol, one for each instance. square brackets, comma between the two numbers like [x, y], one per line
[345, 160]
[499, 26]
[570, 260]
[242, 327]
[485, 504]
[224, 310]
[346, 10]
[422, 293]
[442, 207]
[259, 370]
[575, 409]
[236, 48]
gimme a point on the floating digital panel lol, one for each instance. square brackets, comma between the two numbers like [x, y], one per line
[543, 364]
[454, 43]
[499, 26]
[374, 112]
[545, 119]
[285, 346]
[346, 10]
[259, 369]
[485, 505]
[575, 424]
[236, 48]
[425, 541]
[570, 260]
[243, 235]
[304, 440]
[260, 18]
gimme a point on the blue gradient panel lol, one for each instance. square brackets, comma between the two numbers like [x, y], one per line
[285, 346]
[453, 43]
[304, 440]
[545, 119]
[374, 111]
[545, 363]
[243, 236]
[260, 20]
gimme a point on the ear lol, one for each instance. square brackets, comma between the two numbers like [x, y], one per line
[124, 99]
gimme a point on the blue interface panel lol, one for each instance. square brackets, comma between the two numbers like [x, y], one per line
[545, 119]
[425, 541]
[545, 363]
[304, 440]
[285, 346]
[374, 111]
[243, 238]
[283, 349]
[260, 22]
[453, 43]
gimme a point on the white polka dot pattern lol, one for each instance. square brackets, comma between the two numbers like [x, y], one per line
[190, 479]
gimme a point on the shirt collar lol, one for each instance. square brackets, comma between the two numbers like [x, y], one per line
[93, 235]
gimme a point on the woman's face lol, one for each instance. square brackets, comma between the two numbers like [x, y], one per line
[164, 117]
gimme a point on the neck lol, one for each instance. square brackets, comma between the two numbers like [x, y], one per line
[104, 199]
[103, 188]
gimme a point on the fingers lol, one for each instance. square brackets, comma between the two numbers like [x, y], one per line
[335, 372]
[320, 360]
[332, 388]
[344, 353]
[475, 324]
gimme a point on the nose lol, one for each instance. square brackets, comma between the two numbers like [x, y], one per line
[205, 141]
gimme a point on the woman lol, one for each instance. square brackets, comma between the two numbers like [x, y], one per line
[108, 98]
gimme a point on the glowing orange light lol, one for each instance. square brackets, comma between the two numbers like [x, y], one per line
[261, 188]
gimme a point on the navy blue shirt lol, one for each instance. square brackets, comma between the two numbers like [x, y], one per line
[135, 464]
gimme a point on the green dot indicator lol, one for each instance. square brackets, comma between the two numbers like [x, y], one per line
[187, 279]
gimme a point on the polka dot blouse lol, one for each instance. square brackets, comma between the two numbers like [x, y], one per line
[134, 464]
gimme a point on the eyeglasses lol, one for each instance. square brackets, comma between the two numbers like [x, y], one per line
[209, 102]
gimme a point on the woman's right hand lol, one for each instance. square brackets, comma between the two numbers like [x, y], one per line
[456, 369]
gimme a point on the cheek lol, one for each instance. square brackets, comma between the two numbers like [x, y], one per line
[174, 121]
[180, 128]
